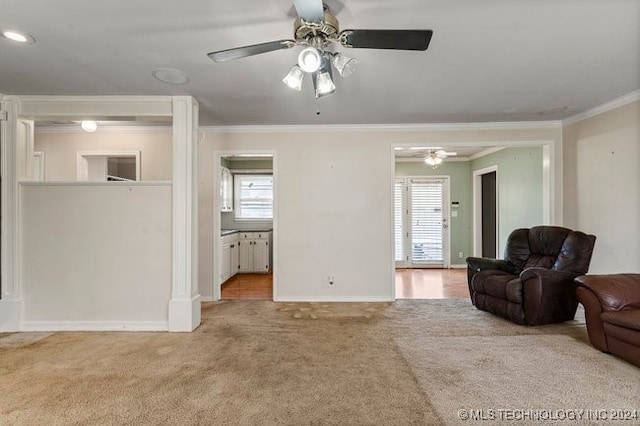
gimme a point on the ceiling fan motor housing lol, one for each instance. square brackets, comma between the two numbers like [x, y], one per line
[313, 33]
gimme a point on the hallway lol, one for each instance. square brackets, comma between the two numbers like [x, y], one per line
[410, 284]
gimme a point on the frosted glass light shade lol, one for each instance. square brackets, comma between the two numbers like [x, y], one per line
[324, 84]
[345, 65]
[294, 78]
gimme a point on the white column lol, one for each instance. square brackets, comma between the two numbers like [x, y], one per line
[184, 306]
[14, 154]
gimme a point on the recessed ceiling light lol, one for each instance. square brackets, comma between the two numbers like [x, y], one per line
[18, 36]
[89, 126]
[170, 75]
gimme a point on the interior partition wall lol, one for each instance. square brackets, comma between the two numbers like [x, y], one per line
[181, 298]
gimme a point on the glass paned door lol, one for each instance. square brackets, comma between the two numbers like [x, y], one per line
[427, 222]
[421, 222]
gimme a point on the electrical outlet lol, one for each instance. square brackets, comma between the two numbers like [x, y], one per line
[461, 255]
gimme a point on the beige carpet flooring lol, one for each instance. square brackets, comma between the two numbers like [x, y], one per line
[262, 363]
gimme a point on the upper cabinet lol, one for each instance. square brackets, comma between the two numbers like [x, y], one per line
[226, 190]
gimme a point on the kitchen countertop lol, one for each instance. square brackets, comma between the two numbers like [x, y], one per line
[224, 232]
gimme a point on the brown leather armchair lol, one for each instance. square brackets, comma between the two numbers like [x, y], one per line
[534, 284]
[612, 311]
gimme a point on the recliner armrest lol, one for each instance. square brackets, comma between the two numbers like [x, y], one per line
[548, 296]
[477, 264]
[548, 276]
[615, 291]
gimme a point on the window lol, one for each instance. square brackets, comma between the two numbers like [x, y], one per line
[253, 196]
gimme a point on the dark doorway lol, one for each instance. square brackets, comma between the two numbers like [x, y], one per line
[489, 226]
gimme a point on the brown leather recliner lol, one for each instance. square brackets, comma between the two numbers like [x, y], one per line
[534, 284]
[612, 311]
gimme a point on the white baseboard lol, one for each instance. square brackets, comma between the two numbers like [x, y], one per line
[10, 314]
[94, 326]
[184, 314]
[459, 266]
[325, 299]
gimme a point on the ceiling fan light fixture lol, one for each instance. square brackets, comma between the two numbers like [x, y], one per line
[310, 59]
[345, 65]
[294, 78]
[323, 83]
[433, 160]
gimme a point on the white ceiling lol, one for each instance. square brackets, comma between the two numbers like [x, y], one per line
[490, 60]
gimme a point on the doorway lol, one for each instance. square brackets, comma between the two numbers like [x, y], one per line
[421, 222]
[101, 166]
[485, 205]
[244, 226]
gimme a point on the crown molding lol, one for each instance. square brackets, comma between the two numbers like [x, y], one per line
[487, 152]
[102, 129]
[409, 127]
[605, 107]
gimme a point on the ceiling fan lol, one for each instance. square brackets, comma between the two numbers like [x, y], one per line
[319, 30]
[434, 158]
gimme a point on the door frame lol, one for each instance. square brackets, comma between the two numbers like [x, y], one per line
[216, 254]
[446, 215]
[82, 163]
[477, 209]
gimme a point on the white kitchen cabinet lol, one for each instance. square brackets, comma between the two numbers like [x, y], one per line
[226, 190]
[255, 251]
[229, 264]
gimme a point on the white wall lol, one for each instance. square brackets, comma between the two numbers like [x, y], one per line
[96, 256]
[602, 175]
[334, 203]
[61, 148]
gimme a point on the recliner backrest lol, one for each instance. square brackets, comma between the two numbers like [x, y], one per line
[551, 247]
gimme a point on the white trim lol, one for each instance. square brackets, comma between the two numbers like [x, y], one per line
[204, 299]
[184, 306]
[446, 213]
[546, 184]
[13, 154]
[67, 128]
[87, 183]
[486, 152]
[338, 299]
[409, 127]
[450, 159]
[96, 107]
[216, 248]
[94, 326]
[82, 163]
[39, 163]
[605, 107]
[458, 266]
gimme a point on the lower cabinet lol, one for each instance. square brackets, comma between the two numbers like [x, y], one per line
[230, 257]
[255, 251]
[245, 252]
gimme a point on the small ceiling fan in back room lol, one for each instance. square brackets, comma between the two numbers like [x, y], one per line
[318, 30]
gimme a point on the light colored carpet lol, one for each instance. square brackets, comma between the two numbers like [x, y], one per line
[265, 363]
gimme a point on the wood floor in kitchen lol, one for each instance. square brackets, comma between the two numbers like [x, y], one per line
[410, 284]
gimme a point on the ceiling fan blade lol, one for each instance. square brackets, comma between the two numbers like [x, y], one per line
[386, 39]
[254, 49]
[310, 10]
